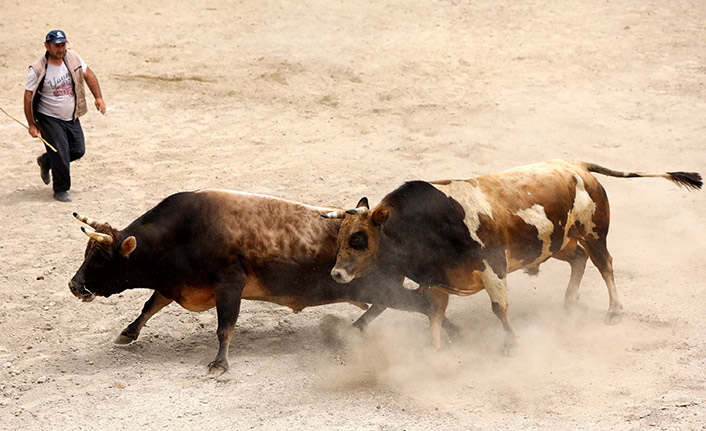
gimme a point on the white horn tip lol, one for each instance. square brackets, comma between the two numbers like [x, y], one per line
[334, 214]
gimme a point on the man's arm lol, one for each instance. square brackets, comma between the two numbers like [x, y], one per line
[33, 130]
[92, 82]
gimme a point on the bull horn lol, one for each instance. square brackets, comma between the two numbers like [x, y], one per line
[335, 214]
[359, 210]
[99, 237]
[89, 221]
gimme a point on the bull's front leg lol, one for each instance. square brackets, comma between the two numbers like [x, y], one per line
[496, 287]
[436, 304]
[394, 295]
[370, 314]
[437, 314]
[156, 302]
[228, 298]
[452, 330]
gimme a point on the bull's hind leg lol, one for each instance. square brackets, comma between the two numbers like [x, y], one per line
[437, 315]
[156, 302]
[452, 330]
[598, 252]
[577, 257]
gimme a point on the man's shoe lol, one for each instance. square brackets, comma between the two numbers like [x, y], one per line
[62, 197]
[43, 171]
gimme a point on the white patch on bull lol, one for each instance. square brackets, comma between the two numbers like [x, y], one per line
[537, 217]
[494, 285]
[583, 209]
[472, 200]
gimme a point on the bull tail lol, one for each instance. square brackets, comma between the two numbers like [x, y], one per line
[690, 180]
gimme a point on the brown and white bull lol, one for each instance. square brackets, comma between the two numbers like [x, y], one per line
[214, 247]
[463, 236]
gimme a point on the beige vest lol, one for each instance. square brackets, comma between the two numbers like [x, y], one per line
[73, 63]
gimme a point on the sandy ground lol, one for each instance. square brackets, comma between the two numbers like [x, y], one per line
[324, 102]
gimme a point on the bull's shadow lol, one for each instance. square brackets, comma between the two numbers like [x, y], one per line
[187, 343]
[23, 195]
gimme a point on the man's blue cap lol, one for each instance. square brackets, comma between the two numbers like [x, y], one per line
[56, 36]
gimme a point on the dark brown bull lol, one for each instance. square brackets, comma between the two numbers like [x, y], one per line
[464, 236]
[213, 247]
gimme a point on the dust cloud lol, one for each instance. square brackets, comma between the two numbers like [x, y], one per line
[564, 354]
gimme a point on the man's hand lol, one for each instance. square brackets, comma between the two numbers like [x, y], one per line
[92, 82]
[33, 130]
[100, 105]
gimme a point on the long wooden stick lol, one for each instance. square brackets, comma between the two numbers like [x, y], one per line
[26, 127]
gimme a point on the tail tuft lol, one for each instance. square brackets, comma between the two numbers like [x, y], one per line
[690, 180]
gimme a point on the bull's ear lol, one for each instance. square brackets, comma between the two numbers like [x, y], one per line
[128, 246]
[363, 203]
[379, 216]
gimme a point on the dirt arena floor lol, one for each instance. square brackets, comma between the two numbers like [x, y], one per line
[324, 102]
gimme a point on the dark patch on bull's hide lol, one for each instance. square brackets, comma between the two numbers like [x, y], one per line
[576, 230]
[601, 216]
[557, 208]
[557, 236]
[524, 241]
[494, 249]
[425, 233]
[532, 271]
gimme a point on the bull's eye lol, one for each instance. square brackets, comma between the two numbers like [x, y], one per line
[97, 258]
[98, 261]
[359, 240]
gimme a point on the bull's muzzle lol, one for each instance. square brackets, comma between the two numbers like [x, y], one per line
[341, 275]
[81, 292]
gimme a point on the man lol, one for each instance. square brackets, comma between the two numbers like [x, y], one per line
[54, 99]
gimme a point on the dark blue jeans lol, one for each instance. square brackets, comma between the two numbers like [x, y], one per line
[67, 138]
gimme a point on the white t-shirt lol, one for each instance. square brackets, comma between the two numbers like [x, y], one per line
[58, 99]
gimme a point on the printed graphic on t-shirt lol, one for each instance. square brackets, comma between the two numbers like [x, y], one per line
[64, 88]
[58, 99]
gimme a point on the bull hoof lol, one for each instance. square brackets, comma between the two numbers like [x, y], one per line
[125, 339]
[453, 332]
[613, 317]
[510, 350]
[217, 368]
[573, 305]
[359, 326]
[337, 333]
